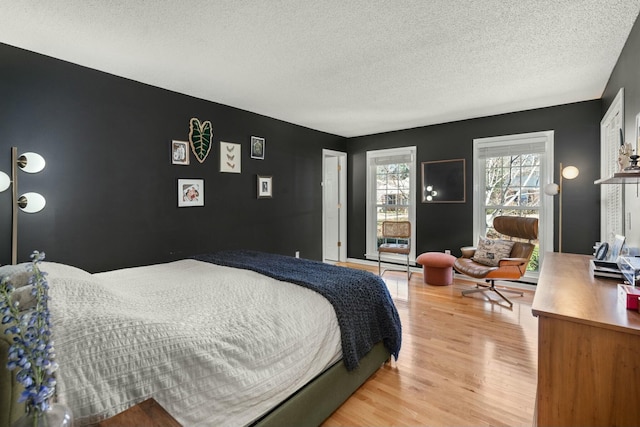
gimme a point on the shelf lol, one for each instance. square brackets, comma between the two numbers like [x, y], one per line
[620, 178]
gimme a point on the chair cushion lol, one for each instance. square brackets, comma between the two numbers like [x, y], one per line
[490, 252]
[469, 267]
[395, 248]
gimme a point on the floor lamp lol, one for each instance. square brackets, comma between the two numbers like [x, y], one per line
[570, 172]
[27, 202]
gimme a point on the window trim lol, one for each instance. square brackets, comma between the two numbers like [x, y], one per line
[547, 167]
[371, 248]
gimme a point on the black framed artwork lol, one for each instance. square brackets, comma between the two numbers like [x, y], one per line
[443, 181]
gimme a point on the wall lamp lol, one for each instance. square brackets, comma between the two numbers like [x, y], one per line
[430, 193]
[27, 202]
[570, 172]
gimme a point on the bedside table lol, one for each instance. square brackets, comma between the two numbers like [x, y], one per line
[145, 414]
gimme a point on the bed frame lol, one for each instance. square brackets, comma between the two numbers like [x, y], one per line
[317, 400]
[309, 406]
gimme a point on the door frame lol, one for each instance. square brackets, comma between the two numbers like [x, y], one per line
[342, 197]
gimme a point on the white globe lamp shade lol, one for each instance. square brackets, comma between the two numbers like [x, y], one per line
[570, 172]
[551, 189]
[32, 202]
[5, 181]
[32, 162]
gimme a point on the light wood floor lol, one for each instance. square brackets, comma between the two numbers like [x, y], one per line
[464, 361]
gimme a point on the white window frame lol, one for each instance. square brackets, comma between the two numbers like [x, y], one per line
[372, 248]
[546, 218]
[612, 197]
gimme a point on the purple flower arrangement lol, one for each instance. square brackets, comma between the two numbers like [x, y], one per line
[32, 352]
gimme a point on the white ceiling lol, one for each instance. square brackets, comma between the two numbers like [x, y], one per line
[347, 67]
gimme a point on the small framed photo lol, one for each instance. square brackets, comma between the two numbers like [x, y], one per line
[230, 156]
[265, 187]
[190, 192]
[257, 148]
[179, 152]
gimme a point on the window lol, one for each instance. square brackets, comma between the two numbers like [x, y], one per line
[509, 175]
[391, 183]
[612, 197]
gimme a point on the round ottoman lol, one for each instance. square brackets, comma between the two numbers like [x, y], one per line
[437, 268]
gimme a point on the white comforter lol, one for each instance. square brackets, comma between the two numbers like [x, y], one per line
[213, 345]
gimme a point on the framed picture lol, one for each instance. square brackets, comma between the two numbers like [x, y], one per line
[265, 187]
[257, 148]
[180, 152]
[444, 181]
[230, 156]
[190, 192]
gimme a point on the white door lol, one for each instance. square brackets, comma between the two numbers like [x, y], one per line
[334, 206]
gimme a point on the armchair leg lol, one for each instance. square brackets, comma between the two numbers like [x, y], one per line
[478, 288]
[492, 287]
[502, 296]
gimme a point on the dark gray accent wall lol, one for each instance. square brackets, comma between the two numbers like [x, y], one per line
[110, 186]
[626, 74]
[450, 225]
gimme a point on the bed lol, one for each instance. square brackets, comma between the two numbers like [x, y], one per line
[229, 338]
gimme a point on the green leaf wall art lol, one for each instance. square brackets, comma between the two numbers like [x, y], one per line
[200, 135]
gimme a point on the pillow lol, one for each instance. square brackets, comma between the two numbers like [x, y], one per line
[490, 252]
[56, 270]
[18, 276]
[24, 297]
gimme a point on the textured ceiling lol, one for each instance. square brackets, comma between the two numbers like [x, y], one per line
[347, 67]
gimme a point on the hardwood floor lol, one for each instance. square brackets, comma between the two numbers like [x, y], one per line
[464, 361]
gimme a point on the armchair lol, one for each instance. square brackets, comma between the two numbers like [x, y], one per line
[500, 259]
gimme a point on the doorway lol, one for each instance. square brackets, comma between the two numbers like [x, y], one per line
[334, 206]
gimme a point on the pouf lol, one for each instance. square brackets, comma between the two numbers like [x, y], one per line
[437, 268]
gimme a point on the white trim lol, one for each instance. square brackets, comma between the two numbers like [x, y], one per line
[342, 162]
[371, 249]
[612, 197]
[547, 167]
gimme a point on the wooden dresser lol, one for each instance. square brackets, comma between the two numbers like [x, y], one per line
[588, 348]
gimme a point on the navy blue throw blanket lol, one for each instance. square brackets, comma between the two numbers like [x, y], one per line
[364, 308]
